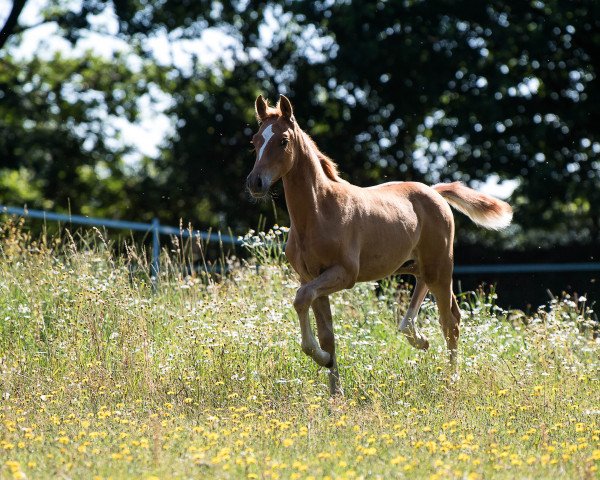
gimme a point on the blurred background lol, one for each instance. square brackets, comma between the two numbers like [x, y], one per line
[135, 109]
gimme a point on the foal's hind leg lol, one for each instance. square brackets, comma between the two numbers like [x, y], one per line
[322, 311]
[449, 315]
[408, 326]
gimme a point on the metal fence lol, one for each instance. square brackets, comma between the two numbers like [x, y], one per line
[156, 229]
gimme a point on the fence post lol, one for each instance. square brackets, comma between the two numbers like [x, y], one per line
[155, 265]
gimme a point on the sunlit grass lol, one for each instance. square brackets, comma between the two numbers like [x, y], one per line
[101, 377]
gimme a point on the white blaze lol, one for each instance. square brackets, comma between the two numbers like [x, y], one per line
[267, 134]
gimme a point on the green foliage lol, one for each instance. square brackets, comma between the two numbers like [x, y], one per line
[54, 145]
[467, 65]
[428, 91]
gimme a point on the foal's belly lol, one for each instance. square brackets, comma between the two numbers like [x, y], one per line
[388, 240]
[379, 259]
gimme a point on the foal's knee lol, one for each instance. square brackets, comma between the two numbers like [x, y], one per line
[304, 297]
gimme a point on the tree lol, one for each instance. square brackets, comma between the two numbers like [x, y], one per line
[443, 90]
[428, 91]
[54, 146]
[11, 21]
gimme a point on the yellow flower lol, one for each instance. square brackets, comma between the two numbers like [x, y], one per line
[300, 466]
[13, 466]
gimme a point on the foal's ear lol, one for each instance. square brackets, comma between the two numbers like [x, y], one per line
[260, 106]
[286, 108]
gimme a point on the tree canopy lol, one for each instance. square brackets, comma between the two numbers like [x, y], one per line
[398, 90]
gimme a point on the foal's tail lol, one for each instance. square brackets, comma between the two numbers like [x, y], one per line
[484, 210]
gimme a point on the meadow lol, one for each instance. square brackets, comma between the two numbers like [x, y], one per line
[100, 377]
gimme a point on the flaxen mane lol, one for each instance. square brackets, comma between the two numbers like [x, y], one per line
[329, 166]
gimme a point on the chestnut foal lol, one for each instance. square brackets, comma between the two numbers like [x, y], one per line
[341, 234]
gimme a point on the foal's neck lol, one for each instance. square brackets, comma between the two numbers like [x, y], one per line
[305, 184]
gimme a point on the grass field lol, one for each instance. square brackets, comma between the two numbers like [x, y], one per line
[101, 378]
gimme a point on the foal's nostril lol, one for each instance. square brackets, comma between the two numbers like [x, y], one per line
[254, 183]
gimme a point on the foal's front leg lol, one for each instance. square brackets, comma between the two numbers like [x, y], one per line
[322, 311]
[331, 280]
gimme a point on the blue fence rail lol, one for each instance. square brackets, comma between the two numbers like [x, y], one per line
[157, 229]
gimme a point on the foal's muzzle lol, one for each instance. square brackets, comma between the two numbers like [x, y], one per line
[257, 186]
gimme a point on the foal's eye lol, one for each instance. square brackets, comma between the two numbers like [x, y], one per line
[284, 142]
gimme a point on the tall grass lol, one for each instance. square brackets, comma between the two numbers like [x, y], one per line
[99, 376]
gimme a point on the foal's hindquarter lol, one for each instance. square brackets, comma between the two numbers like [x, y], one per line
[341, 234]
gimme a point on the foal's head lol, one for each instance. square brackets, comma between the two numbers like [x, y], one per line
[273, 144]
